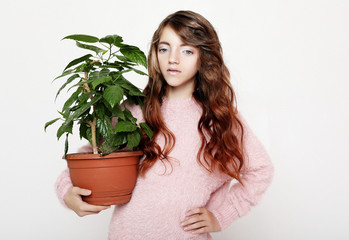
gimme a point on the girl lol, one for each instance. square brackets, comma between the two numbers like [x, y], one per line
[200, 144]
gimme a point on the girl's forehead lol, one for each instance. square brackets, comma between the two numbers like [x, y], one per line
[168, 31]
[170, 36]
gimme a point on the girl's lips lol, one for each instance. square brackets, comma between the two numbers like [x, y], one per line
[172, 71]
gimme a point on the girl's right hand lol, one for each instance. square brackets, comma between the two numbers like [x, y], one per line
[74, 201]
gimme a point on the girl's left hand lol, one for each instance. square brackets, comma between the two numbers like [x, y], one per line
[201, 221]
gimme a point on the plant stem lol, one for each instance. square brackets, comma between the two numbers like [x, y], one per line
[93, 132]
[109, 53]
[93, 123]
[86, 87]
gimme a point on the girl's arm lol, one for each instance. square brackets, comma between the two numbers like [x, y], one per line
[70, 196]
[230, 203]
[62, 185]
[63, 182]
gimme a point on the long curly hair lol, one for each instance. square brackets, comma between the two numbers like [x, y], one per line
[219, 127]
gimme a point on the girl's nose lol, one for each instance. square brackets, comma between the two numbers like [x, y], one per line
[174, 59]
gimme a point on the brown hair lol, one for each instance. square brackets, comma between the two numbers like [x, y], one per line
[223, 148]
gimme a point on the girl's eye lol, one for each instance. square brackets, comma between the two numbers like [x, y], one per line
[162, 50]
[188, 52]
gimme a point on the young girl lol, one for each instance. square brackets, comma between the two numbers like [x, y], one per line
[200, 144]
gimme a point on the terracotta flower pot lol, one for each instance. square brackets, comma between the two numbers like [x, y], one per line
[111, 178]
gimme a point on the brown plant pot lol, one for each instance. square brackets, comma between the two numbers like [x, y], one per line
[111, 178]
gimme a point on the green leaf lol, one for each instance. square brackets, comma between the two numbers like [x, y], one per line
[113, 95]
[117, 111]
[139, 72]
[89, 135]
[105, 128]
[82, 68]
[115, 75]
[119, 139]
[98, 74]
[66, 127]
[133, 90]
[129, 116]
[100, 111]
[134, 54]
[78, 60]
[118, 75]
[133, 139]
[50, 123]
[114, 65]
[69, 80]
[136, 93]
[72, 99]
[84, 97]
[85, 132]
[122, 58]
[112, 40]
[65, 73]
[99, 81]
[125, 71]
[83, 108]
[82, 130]
[107, 147]
[81, 83]
[135, 100]
[89, 47]
[66, 145]
[125, 126]
[93, 75]
[104, 72]
[146, 129]
[128, 64]
[82, 38]
[65, 115]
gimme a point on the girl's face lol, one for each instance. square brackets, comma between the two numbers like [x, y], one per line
[178, 64]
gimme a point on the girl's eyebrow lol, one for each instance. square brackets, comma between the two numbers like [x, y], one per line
[166, 43]
[182, 45]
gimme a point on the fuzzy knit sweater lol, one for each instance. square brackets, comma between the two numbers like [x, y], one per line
[161, 200]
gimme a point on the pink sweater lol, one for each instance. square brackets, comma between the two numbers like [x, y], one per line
[161, 200]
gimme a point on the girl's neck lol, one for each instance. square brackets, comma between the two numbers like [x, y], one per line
[180, 103]
[172, 94]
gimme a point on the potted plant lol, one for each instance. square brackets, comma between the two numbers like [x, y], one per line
[99, 92]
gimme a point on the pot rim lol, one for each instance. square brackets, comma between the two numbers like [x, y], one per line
[91, 156]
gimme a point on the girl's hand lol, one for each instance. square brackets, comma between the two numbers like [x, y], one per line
[74, 201]
[201, 221]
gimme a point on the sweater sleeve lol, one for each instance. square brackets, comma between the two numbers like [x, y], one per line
[230, 203]
[63, 182]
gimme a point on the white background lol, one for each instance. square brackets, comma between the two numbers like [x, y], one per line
[289, 65]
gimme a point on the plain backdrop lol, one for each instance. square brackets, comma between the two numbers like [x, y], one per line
[289, 62]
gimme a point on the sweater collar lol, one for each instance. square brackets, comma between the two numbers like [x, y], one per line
[182, 102]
